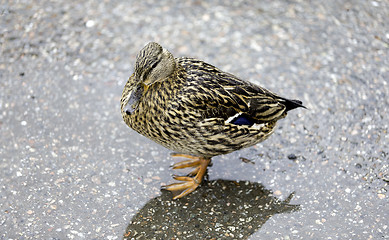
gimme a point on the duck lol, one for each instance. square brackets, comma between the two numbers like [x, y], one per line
[197, 110]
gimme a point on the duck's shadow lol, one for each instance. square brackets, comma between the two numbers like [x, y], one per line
[220, 209]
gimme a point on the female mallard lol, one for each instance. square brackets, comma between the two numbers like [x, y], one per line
[194, 108]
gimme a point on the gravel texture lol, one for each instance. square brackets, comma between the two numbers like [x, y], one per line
[71, 169]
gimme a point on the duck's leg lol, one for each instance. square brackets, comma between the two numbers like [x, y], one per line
[193, 180]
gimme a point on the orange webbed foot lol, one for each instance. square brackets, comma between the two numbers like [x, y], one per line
[192, 180]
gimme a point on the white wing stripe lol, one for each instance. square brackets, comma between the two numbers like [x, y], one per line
[233, 117]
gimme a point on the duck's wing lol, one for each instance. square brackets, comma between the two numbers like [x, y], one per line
[218, 94]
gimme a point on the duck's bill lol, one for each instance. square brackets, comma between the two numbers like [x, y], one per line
[133, 101]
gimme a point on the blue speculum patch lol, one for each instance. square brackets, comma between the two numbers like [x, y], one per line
[242, 120]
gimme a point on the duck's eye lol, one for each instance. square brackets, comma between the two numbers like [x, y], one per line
[149, 69]
[154, 64]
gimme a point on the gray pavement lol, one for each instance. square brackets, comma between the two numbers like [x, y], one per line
[71, 169]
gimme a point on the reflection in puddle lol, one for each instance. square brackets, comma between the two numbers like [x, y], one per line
[221, 210]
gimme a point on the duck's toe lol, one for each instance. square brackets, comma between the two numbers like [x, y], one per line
[182, 189]
[192, 181]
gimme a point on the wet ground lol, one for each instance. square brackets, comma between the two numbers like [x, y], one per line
[71, 169]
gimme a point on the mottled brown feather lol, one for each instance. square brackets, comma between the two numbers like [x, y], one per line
[187, 111]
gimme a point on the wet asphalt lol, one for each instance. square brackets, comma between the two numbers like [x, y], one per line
[71, 169]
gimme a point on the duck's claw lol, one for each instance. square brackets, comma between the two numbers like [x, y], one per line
[193, 180]
[186, 164]
[182, 189]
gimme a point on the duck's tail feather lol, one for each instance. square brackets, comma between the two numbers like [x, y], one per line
[292, 104]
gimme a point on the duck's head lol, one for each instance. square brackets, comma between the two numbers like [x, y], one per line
[153, 64]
